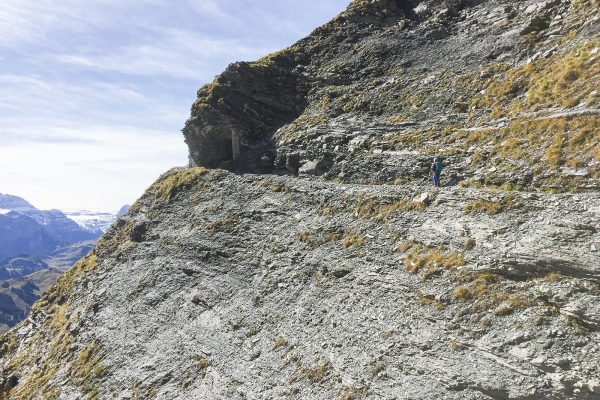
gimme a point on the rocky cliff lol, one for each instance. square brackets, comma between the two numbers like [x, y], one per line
[506, 92]
[337, 273]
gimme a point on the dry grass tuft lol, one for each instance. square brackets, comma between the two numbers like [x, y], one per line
[228, 224]
[487, 292]
[186, 179]
[202, 365]
[553, 277]
[280, 342]
[315, 375]
[406, 245]
[431, 261]
[429, 299]
[462, 294]
[351, 393]
[510, 202]
[378, 210]
[386, 335]
[454, 345]
[353, 240]
[377, 369]
[503, 310]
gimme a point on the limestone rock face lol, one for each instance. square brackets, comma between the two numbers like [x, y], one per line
[415, 80]
[249, 101]
[324, 265]
[230, 285]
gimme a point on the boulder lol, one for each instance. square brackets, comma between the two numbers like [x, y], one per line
[437, 34]
[536, 24]
[314, 167]
[292, 163]
[422, 10]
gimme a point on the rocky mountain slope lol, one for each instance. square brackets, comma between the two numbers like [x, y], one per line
[337, 273]
[506, 92]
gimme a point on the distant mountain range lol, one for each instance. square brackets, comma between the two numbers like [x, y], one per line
[14, 203]
[26, 230]
[93, 221]
[36, 247]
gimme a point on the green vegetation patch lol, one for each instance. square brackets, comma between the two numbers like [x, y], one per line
[178, 182]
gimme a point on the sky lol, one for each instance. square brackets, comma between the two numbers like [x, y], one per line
[94, 93]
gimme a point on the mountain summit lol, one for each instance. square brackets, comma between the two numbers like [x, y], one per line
[14, 203]
[303, 253]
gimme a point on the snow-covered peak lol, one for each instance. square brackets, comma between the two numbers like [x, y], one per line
[93, 221]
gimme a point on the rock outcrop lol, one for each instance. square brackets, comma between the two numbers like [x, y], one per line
[377, 92]
[355, 279]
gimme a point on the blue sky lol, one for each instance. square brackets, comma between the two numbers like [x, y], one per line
[93, 93]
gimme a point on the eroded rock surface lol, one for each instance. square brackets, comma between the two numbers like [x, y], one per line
[339, 273]
[387, 85]
[264, 287]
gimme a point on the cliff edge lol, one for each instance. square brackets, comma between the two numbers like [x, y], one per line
[312, 262]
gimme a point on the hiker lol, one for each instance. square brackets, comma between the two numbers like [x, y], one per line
[436, 168]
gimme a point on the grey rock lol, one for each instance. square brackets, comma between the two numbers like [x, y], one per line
[260, 285]
[292, 162]
[536, 24]
[315, 167]
[437, 34]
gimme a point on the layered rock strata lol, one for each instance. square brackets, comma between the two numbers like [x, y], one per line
[334, 283]
[229, 286]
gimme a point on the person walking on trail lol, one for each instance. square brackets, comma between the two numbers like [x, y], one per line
[436, 168]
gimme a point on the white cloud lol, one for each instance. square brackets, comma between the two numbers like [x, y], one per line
[206, 7]
[180, 54]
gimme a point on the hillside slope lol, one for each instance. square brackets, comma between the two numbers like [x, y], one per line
[223, 286]
[506, 92]
[317, 279]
